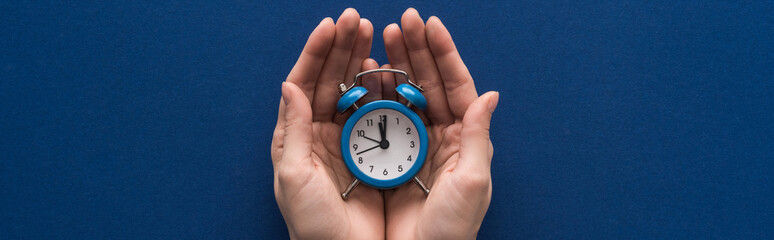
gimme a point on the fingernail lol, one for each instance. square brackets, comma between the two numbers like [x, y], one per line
[286, 93]
[325, 19]
[429, 27]
[391, 24]
[322, 22]
[348, 11]
[433, 17]
[438, 26]
[493, 101]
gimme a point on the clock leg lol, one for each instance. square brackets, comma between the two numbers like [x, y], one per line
[351, 186]
[421, 185]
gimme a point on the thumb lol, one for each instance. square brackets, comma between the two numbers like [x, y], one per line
[298, 125]
[475, 147]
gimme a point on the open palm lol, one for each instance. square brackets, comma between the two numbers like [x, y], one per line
[308, 171]
[459, 153]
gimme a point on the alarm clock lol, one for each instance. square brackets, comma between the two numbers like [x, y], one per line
[384, 142]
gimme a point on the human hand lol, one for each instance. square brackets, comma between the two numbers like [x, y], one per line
[308, 170]
[457, 169]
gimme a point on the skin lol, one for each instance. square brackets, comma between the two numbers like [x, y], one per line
[309, 173]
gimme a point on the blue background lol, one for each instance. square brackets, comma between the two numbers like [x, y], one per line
[617, 119]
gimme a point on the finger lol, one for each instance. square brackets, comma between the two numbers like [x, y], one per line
[425, 69]
[388, 90]
[326, 91]
[388, 84]
[277, 140]
[396, 51]
[361, 51]
[372, 82]
[307, 69]
[475, 146]
[459, 86]
[298, 126]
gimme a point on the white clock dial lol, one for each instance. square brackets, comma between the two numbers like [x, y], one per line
[387, 157]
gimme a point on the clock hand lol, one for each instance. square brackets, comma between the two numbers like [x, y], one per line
[368, 149]
[384, 144]
[384, 128]
[374, 140]
[382, 131]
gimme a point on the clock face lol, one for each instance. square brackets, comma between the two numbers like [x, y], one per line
[384, 144]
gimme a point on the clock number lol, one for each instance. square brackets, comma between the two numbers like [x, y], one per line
[408, 130]
[383, 118]
[385, 172]
[355, 147]
[369, 122]
[400, 168]
[397, 121]
[412, 144]
[372, 168]
[360, 133]
[409, 158]
[360, 160]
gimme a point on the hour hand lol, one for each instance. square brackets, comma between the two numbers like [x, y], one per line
[384, 144]
[373, 140]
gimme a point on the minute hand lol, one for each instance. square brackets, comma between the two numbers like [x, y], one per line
[367, 150]
[382, 130]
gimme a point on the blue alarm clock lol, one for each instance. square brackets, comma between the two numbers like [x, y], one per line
[383, 143]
